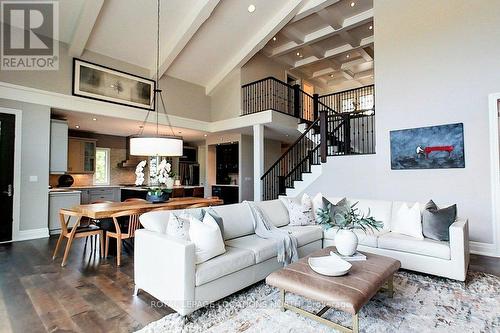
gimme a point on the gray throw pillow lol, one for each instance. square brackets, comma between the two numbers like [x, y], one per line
[339, 208]
[216, 217]
[436, 221]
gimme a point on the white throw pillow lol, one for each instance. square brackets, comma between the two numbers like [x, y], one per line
[206, 237]
[317, 203]
[408, 221]
[300, 212]
[178, 226]
[155, 221]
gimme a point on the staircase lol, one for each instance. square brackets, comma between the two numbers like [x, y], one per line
[326, 133]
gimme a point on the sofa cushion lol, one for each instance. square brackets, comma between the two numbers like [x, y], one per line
[158, 221]
[381, 210]
[403, 243]
[369, 239]
[436, 221]
[231, 261]
[237, 220]
[407, 219]
[274, 211]
[262, 248]
[305, 234]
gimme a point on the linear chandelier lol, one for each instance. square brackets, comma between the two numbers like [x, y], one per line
[156, 145]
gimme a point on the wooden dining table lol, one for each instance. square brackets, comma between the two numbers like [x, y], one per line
[105, 210]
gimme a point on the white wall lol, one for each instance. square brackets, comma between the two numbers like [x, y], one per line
[246, 168]
[182, 98]
[226, 98]
[437, 61]
[35, 141]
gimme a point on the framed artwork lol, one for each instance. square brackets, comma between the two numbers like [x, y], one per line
[110, 85]
[434, 147]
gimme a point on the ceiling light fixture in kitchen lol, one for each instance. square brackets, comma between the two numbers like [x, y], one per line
[156, 145]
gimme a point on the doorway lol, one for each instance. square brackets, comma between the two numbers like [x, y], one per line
[7, 141]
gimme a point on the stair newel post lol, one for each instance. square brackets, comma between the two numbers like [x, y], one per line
[323, 132]
[296, 101]
[315, 106]
[347, 134]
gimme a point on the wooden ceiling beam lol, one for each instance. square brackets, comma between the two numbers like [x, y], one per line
[86, 22]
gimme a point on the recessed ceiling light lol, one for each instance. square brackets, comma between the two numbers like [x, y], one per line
[94, 119]
[251, 8]
[298, 54]
[179, 132]
[348, 55]
[370, 27]
[205, 135]
[331, 75]
[352, 4]
[141, 126]
[77, 126]
[274, 38]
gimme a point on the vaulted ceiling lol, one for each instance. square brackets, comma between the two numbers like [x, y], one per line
[328, 41]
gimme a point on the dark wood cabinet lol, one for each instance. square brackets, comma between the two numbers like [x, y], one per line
[227, 162]
[230, 194]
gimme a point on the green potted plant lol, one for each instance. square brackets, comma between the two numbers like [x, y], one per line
[346, 219]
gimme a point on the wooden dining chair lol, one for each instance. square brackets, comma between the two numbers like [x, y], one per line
[86, 221]
[76, 231]
[121, 233]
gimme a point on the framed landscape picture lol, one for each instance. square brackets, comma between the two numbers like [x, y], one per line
[434, 147]
[110, 85]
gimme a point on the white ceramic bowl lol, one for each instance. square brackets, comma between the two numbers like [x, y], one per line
[329, 265]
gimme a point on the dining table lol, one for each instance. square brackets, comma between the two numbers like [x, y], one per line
[104, 210]
[101, 212]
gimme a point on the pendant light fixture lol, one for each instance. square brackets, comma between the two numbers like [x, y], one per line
[156, 145]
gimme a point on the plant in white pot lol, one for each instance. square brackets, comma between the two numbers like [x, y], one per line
[345, 219]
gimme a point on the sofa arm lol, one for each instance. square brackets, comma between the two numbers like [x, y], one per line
[165, 268]
[459, 243]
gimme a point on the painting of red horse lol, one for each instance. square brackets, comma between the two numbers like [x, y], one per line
[433, 147]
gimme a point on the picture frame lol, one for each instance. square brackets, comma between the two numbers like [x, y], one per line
[431, 147]
[106, 84]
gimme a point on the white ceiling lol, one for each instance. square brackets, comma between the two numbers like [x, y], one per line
[332, 45]
[120, 126]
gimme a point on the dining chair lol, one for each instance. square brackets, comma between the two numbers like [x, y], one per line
[86, 221]
[121, 233]
[76, 231]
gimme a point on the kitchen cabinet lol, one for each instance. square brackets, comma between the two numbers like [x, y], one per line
[94, 194]
[81, 155]
[58, 146]
[57, 201]
[227, 163]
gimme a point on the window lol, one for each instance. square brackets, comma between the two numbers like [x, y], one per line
[102, 166]
[366, 102]
[348, 105]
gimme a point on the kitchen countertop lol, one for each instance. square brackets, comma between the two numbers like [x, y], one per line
[231, 185]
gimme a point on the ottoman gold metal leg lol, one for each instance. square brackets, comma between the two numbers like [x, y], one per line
[390, 286]
[355, 323]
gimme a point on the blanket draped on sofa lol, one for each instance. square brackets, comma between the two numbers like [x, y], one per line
[286, 242]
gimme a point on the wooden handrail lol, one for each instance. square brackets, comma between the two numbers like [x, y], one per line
[291, 147]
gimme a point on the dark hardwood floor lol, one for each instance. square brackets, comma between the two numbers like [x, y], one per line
[88, 295]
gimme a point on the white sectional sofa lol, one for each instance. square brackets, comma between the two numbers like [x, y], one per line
[165, 266]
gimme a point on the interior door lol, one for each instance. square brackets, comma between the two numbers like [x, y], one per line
[7, 135]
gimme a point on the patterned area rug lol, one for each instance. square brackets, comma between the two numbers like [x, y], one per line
[421, 303]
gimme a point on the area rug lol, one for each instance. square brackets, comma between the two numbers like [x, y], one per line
[421, 303]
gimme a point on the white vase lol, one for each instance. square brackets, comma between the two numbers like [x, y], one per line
[169, 183]
[346, 242]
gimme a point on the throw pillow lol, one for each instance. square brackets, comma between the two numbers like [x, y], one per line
[206, 237]
[408, 221]
[436, 221]
[178, 226]
[155, 221]
[300, 214]
[317, 203]
[216, 217]
[336, 208]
